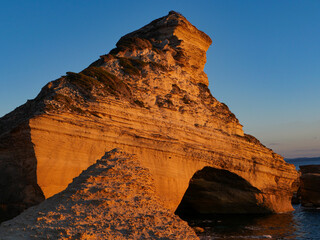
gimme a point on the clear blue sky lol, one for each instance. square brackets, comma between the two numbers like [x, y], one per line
[264, 62]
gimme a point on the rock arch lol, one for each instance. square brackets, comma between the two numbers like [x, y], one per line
[218, 191]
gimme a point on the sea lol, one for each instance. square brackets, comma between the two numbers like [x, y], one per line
[303, 223]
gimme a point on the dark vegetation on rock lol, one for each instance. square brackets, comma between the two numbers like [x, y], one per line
[98, 78]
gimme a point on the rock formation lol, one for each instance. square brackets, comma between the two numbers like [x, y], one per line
[149, 96]
[309, 185]
[112, 199]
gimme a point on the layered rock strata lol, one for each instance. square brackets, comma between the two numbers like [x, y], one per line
[113, 199]
[148, 96]
[310, 185]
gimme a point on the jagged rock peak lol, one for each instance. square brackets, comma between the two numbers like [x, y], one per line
[170, 36]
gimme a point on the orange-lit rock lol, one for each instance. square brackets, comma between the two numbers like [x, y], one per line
[149, 96]
[113, 199]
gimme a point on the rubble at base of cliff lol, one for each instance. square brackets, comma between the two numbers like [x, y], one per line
[113, 199]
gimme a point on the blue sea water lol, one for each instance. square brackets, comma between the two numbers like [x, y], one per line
[303, 223]
[304, 161]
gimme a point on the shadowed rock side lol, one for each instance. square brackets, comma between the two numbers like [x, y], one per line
[113, 199]
[310, 185]
[148, 96]
[216, 191]
[18, 180]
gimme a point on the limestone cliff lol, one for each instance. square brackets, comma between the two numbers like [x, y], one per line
[113, 199]
[148, 96]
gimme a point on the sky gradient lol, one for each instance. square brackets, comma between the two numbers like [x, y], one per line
[263, 63]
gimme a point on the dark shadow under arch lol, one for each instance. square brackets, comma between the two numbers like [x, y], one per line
[218, 191]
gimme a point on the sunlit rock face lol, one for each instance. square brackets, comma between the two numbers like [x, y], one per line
[180, 43]
[309, 185]
[148, 96]
[113, 199]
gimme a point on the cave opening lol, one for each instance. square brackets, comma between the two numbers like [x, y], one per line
[215, 191]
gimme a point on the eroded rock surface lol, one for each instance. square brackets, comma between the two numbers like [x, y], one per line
[113, 199]
[217, 191]
[148, 96]
[310, 185]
